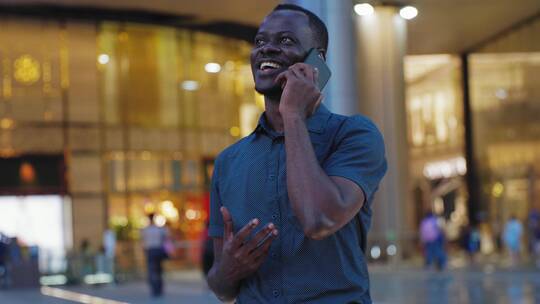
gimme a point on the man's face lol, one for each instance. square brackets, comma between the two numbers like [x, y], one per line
[283, 39]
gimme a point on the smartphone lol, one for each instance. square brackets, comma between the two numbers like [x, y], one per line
[314, 58]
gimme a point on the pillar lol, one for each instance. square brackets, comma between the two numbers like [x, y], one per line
[381, 39]
[340, 94]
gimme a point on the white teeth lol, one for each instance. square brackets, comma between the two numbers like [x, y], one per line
[269, 64]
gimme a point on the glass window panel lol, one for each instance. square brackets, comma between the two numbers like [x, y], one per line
[84, 139]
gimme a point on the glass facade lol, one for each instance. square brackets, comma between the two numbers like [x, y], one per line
[434, 106]
[505, 104]
[137, 111]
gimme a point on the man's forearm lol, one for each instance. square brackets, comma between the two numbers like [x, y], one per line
[224, 289]
[315, 199]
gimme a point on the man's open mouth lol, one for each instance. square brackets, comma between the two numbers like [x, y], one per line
[269, 65]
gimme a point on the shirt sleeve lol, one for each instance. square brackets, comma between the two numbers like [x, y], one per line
[215, 228]
[358, 155]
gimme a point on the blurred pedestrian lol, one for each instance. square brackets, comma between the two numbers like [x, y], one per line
[3, 260]
[512, 233]
[470, 241]
[533, 224]
[86, 256]
[433, 240]
[154, 240]
[109, 248]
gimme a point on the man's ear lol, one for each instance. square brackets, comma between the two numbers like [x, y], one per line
[322, 53]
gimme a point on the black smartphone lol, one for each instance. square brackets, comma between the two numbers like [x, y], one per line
[314, 58]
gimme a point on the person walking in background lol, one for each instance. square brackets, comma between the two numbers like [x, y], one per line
[432, 238]
[109, 249]
[3, 261]
[512, 238]
[470, 241]
[533, 225]
[154, 239]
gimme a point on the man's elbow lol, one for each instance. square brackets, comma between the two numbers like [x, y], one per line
[320, 229]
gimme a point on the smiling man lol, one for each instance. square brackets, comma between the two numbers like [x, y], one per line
[291, 202]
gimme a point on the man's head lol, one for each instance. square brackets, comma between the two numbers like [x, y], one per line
[151, 218]
[283, 39]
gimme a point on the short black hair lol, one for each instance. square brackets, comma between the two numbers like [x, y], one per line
[320, 32]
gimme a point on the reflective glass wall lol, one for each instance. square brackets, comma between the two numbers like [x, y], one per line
[138, 113]
[435, 125]
[505, 102]
[172, 100]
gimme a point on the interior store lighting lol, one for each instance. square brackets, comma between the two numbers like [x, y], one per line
[190, 85]
[391, 250]
[103, 59]
[375, 252]
[408, 12]
[364, 9]
[212, 67]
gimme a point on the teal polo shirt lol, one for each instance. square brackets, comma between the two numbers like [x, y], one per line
[250, 180]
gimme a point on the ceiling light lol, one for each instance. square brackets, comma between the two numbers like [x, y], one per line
[375, 252]
[408, 12]
[364, 9]
[212, 67]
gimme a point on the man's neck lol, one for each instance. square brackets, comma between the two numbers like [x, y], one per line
[273, 116]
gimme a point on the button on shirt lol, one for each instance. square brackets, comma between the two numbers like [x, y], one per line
[250, 180]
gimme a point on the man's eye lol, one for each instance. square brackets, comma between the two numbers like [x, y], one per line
[286, 40]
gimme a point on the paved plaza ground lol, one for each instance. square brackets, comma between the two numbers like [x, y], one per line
[411, 285]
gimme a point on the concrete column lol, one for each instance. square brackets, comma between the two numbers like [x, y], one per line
[381, 40]
[340, 93]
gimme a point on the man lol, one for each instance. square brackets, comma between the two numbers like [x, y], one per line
[153, 239]
[304, 173]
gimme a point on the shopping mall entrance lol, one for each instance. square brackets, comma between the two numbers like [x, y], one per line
[42, 227]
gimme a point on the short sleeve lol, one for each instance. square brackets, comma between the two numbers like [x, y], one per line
[358, 155]
[215, 228]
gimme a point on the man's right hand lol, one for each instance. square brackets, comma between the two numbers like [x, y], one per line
[241, 257]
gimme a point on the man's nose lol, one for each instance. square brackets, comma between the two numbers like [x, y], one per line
[270, 48]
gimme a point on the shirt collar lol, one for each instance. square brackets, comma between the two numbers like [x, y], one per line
[315, 123]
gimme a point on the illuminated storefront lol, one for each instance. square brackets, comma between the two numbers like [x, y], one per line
[137, 111]
[435, 135]
[505, 105]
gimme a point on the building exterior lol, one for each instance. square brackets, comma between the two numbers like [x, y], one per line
[128, 111]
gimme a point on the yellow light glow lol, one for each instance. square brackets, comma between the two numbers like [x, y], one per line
[408, 12]
[235, 131]
[6, 123]
[191, 214]
[103, 59]
[364, 9]
[160, 220]
[212, 67]
[27, 69]
[497, 190]
[168, 210]
[149, 208]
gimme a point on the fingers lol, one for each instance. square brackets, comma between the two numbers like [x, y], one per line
[282, 78]
[227, 224]
[316, 105]
[242, 235]
[306, 71]
[262, 250]
[259, 238]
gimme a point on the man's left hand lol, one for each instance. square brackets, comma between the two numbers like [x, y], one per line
[300, 96]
